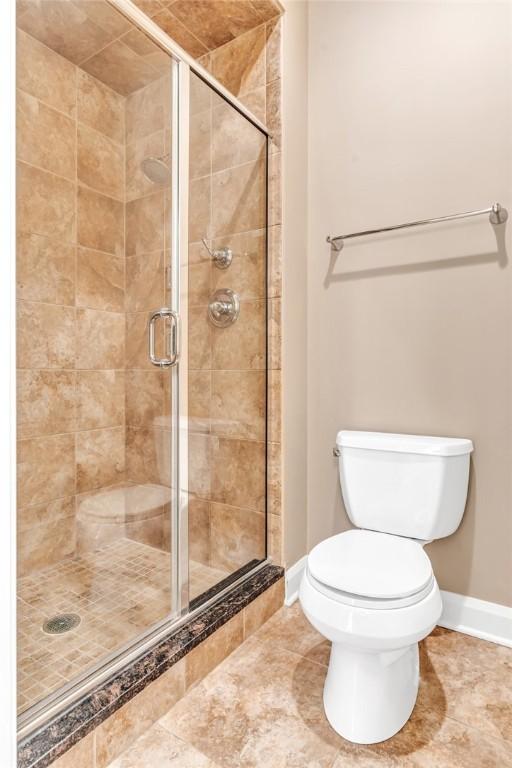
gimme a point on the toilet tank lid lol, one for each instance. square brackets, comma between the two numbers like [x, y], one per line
[388, 441]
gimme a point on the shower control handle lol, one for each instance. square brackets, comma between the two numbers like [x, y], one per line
[165, 313]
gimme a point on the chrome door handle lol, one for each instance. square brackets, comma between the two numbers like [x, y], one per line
[164, 362]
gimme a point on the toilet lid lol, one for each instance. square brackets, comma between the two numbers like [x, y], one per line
[371, 564]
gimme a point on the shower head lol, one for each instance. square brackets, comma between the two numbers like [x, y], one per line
[156, 170]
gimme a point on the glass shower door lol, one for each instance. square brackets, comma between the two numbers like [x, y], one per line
[224, 365]
[97, 381]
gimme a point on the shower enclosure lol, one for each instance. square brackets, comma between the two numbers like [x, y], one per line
[142, 343]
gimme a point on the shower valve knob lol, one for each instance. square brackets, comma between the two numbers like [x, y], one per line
[223, 308]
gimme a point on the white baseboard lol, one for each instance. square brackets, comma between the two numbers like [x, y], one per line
[292, 579]
[488, 621]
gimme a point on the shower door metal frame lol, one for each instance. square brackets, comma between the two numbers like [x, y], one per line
[40, 713]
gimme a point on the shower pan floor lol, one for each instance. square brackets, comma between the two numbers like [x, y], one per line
[118, 591]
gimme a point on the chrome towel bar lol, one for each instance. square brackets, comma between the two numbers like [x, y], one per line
[497, 215]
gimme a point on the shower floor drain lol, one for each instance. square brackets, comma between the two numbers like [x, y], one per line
[63, 622]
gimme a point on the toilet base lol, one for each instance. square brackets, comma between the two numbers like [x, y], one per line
[369, 696]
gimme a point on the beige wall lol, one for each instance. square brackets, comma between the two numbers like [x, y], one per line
[295, 220]
[410, 109]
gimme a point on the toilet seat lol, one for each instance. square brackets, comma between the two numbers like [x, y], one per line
[380, 604]
[371, 570]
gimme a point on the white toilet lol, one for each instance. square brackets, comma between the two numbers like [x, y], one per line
[371, 591]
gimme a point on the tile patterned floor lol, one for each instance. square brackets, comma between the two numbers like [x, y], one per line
[263, 707]
[118, 591]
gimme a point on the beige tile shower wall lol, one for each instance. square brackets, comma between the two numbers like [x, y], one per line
[227, 378]
[70, 283]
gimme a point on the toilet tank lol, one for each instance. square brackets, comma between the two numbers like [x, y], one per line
[408, 485]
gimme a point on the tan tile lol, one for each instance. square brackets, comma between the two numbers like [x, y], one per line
[274, 405]
[199, 274]
[137, 185]
[235, 140]
[238, 199]
[274, 538]
[471, 693]
[99, 280]
[241, 345]
[46, 543]
[238, 473]
[148, 51]
[200, 94]
[160, 748]
[100, 222]
[121, 729]
[45, 269]
[46, 335]
[199, 209]
[274, 479]
[206, 656]
[148, 455]
[145, 281]
[46, 469]
[199, 465]
[247, 270]
[289, 629]
[45, 203]
[238, 404]
[100, 399]
[217, 23]
[81, 755]
[240, 66]
[144, 397]
[199, 394]
[145, 224]
[100, 339]
[104, 16]
[148, 110]
[267, 9]
[480, 652]
[273, 50]
[274, 334]
[237, 536]
[263, 607]
[199, 338]
[255, 101]
[137, 341]
[42, 514]
[46, 402]
[119, 67]
[432, 739]
[263, 706]
[200, 148]
[99, 107]
[100, 458]
[274, 189]
[44, 137]
[180, 33]
[44, 74]
[199, 530]
[273, 121]
[72, 29]
[100, 162]
[275, 248]
[149, 7]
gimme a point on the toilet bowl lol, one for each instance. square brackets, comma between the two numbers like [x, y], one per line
[371, 591]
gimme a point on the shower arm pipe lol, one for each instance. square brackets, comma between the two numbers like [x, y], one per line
[497, 215]
[161, 38]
